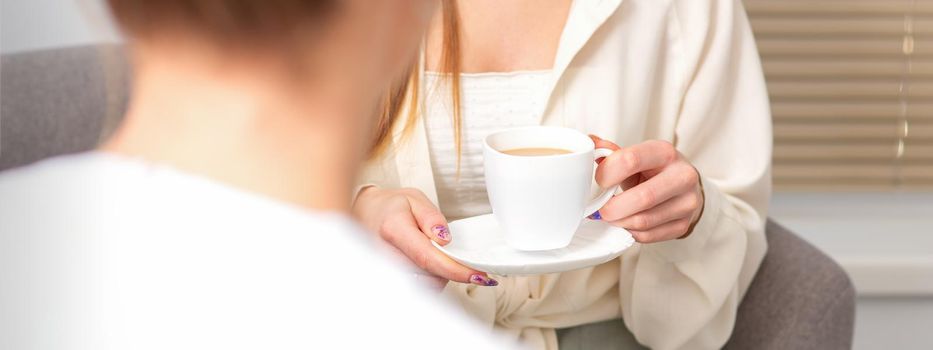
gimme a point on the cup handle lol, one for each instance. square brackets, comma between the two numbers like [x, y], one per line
[607, 194]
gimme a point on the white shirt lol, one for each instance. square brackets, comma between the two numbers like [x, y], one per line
[491, 102]
[103, 252]
[684, 71]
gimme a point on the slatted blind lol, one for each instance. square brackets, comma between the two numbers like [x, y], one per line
[851, 84]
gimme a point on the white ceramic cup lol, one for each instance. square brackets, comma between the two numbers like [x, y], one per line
[539, 201]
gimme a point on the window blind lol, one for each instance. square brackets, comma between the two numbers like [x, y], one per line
[851, 87]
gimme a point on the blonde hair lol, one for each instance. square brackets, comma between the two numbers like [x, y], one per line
[408, 88]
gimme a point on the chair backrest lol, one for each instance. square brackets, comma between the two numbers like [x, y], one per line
[59, 101]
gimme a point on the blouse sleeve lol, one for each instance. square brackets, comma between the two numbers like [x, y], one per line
[684, 294]
[380, 171]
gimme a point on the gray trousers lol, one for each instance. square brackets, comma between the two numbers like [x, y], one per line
[598, 336]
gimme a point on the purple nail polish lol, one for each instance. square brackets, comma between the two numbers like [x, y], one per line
[483, 281]
[595, 216]
[441, 232]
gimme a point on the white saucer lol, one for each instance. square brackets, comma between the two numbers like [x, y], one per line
[478, 243]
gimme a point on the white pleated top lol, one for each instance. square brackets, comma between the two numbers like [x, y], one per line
[489, 102]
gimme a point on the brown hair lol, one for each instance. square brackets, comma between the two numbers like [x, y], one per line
[408, 89]
[231, 23]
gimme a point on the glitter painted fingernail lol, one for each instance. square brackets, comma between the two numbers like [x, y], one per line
[483, 281]
[441, 232]
[595, 216]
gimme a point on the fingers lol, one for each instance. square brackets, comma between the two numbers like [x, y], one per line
[430, 219]
[676, 179]
[629, 161]
[435, 262]
[679, 207]
[404, 234]
[671, 230]
[600, 143]
[661, 193]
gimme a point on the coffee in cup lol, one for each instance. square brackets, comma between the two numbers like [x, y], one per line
[536, 151]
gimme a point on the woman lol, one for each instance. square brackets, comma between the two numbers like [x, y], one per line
[215, 218]
[677, 83]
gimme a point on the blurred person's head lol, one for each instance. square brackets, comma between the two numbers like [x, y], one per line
[234, 79]
[314, 37]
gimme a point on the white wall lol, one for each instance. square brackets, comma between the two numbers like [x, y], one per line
[39, 24]
[901, 323]
[883, 241]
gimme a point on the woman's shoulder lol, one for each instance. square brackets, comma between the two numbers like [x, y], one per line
[705, 12]
[668, 4]
[692, 10]
[696, 18]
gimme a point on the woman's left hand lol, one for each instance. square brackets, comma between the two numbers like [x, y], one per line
[662, 197]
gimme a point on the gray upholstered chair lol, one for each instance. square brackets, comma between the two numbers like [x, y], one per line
[61, 101]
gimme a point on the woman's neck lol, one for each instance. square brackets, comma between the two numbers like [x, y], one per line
[247, 127]
[502, 36]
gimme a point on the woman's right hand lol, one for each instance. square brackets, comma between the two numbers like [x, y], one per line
[408, 221]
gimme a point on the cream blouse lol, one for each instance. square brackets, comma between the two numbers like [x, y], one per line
[685, 71]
